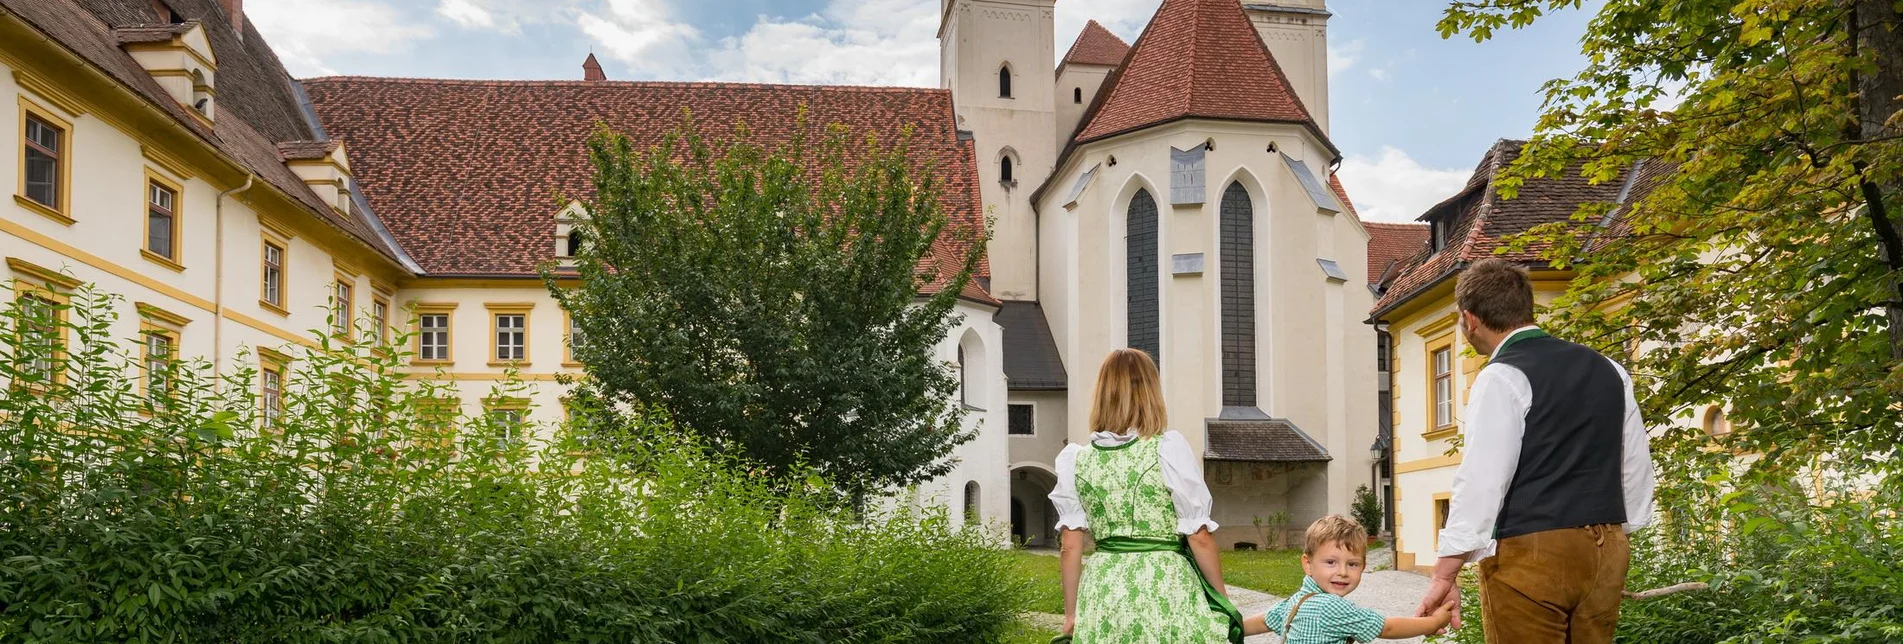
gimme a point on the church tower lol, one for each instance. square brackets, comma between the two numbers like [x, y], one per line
[1296, 32]
[995, 56]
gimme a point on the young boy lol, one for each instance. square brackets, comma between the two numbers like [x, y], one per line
[1333, 554]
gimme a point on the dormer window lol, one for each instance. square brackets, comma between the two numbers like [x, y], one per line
[1004, 82]
[201, 93]
[177, 54]
[1439, 234]
[573, 243]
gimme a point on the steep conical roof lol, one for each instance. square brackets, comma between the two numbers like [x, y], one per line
[1096, 46]
[1196, 59]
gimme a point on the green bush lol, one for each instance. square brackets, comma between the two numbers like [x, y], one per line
[365, 514]
[1367, 510]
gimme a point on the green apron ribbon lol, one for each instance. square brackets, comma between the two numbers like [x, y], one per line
[1180, 545]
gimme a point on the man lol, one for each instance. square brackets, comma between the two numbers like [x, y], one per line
[1557, 471]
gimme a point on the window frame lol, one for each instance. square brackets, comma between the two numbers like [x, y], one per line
[59, 305]
[380, 314]
[343, 305]
[62, 207]
[157, 322]
[496, 310]
[1433, 347]
[269, 240]
[272, 366]
[568, 340]
[494, 406]
[153, 179]
[1010, 429]
[448, 311]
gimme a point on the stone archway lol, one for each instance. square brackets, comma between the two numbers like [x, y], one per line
[1033, 518]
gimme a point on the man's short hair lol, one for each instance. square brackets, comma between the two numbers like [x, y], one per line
[1337, 529]
[1498, 292]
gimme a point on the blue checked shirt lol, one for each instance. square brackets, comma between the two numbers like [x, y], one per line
[1324, 618]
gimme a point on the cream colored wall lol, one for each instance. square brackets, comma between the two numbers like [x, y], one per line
[983, 460]
[1071, 77]
[979, 37]
[1246, 492]
[472, 344]
[1299, 42]
[1052, 420]
[1315, 357]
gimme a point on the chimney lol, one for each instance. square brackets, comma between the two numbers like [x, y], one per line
[590, 69]
[234, 9]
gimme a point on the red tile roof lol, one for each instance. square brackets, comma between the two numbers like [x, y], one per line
[1479, 222]
[1196, 59]
[465, 174]
[1096, 46]
[1389, 244]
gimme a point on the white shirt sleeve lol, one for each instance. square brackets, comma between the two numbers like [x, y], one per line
[1635, 461]
[1494, 425]
[1070, 510]
[1185, 481]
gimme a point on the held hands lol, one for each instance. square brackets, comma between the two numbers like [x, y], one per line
[1442, 602]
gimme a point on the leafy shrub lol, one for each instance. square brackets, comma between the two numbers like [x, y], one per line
[367, 514]
[1367, 510]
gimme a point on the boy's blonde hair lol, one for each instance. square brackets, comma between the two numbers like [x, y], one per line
[1129, 395]
[1335, 528]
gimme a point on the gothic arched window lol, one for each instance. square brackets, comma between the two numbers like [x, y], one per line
[1004, 81]
[1238, 297]
[1140, 265]
[1004, 170]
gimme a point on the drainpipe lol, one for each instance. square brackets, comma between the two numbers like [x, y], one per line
[218, 274]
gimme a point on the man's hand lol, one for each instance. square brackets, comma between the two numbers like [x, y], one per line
[1441, 593]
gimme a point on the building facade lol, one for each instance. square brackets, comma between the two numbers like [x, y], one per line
[1173, 195]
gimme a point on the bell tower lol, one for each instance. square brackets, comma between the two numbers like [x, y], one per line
[1296, 32]
[996, 58]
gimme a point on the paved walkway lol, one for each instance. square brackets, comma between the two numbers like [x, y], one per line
[1388, 592]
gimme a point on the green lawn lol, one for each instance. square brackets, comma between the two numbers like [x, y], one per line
[1023, 633]
[1277, 572]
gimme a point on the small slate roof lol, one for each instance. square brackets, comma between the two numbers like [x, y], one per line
[1031, 361]
[1275, 440]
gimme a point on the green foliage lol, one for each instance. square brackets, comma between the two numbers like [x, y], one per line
[769, 299]
[1367, 510]
[367, 514]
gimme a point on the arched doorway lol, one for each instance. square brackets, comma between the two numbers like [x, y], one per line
[1033, 518]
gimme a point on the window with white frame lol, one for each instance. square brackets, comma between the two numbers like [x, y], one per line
[432, 336]
[511, 336]
[1443, 387]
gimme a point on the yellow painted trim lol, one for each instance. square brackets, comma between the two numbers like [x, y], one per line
[23, 289]
[266, 241]
[1431, 463]
[480, 376]
[1440, 516]
[1437, 327]
[178, 220]
[273, 226]
[95, 261]
[49, 276]
[159, 315]
[382, 323]
[343, 305]
[447, 310]
[1431, 420]
[1439, 434]
[268, 355]
[568, 340]
[526, 281]
[345, 268]
[148, 328]
[269, 328]
[175, 45]
[49, 92]
[498, 309]
[165, 160]
[61, 211]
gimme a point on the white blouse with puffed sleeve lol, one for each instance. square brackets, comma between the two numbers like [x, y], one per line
[1180, 475]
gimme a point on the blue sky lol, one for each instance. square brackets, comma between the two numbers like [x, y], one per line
[1411, 112]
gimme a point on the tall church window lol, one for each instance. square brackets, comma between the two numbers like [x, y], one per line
[1004, 81]
[1140, 262]
[1077, 95]
[1238, 298]
[1004, 170]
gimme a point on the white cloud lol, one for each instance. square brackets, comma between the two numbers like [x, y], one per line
[1125, 18]
[303, 32]
[467, 14]
[852, 42]
[1379, 73]
[506, 16]
[1394, 187]
[644, 35]
[1341, 59]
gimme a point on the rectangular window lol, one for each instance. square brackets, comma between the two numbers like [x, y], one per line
[508, 417]
[271, 393]
[40, 337]
[160, 348]
[380, 316]
[511, 337]
[1443, 387]
[273, 286]
[1442, 505]
[340, 300]
[432, 336]
[45, 147]
[576, 340]
[1023, 420]
[161, 220]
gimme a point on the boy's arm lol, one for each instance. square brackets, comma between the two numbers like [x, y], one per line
[1404, 627]
[1256, 625]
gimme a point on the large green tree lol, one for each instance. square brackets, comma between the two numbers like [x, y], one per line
[771, 297]
[1767, 250]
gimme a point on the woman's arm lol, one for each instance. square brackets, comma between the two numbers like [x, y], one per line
[1070, 555]
[1203, 546]
[1404, 627]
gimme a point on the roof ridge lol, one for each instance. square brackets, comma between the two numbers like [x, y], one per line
[406, 80]
[1484, 211]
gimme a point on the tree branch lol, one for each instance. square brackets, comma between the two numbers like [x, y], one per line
[1674, 589]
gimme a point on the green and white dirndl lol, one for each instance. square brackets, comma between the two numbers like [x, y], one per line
[1140, 586]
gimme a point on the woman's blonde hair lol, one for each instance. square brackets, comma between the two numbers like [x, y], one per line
[1129, 395]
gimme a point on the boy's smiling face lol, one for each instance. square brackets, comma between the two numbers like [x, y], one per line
[1336, 568]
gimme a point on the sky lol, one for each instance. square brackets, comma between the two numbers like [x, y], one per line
[1412, 113]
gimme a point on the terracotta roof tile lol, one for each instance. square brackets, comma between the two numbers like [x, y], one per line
[1197, 58]
[1479, 222]
[1096, 46]
[1391, 244]
[465, 173]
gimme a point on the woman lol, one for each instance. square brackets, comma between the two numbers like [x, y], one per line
[1155, 577]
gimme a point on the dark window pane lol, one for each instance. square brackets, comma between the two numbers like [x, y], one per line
[159, 233]
[1023, 420]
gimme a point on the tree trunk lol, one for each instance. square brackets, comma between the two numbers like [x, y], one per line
[1880, 98]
